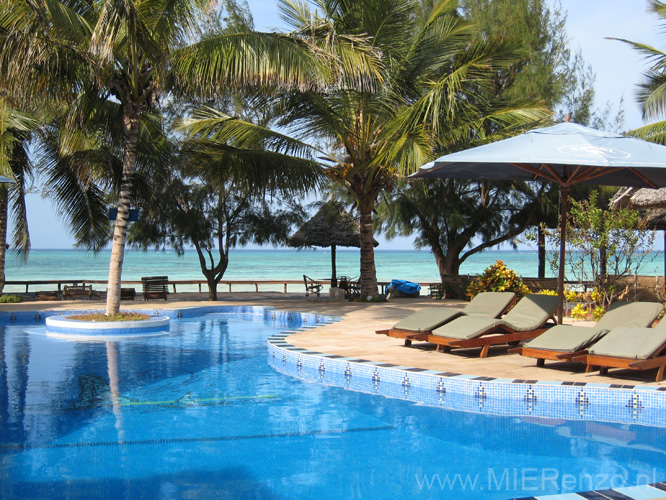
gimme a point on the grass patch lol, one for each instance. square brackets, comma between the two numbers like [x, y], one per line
[121, 316]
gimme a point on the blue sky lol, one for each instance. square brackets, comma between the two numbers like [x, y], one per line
[589, 22]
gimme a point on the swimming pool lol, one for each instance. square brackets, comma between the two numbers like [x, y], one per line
[199, 413]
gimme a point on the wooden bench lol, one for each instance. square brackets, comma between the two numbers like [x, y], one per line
[75, 291]
[155, 287]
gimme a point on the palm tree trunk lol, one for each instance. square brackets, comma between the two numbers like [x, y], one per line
[368, 270]
[334, 282]
[131, 120]
[541, 245]
[4, 202]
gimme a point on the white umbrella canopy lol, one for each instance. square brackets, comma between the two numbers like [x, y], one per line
[566, 154]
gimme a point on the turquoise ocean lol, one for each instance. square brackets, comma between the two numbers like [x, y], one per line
[265, 264]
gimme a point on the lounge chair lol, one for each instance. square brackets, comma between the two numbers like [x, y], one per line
[489, 304]
[312, 286]
[630, 348]
[525, 321]
[564, 342]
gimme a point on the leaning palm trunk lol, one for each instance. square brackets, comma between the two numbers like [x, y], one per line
[124, 202]
[4, 202]
[368, 271]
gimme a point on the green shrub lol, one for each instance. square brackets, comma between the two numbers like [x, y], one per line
[579, 311]
[497, 278]
[9, 299]
[598, 313]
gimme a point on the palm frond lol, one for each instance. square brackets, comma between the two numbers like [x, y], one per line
[213, 126]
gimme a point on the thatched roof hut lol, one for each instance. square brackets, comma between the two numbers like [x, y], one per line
[639, 199]
[332, 226]
[651, 203]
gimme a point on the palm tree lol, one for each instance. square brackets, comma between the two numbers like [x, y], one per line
[16, 129]
[652, 91]
[135, 54]
[431, 95]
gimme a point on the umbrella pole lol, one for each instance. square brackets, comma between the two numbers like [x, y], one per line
[564, 201]
[334, 281]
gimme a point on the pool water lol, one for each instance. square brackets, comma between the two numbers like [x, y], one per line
[199, 413]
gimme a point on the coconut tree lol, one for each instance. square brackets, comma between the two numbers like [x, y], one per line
[652, 90]
[16, 129]
[136, 53]
[430, 94]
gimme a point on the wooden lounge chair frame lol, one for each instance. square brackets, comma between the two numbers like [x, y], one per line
[606, 362]
[74, 291]
[542, 355]
[155, 287]
[407, 335]
[497, 335]
[312, 286]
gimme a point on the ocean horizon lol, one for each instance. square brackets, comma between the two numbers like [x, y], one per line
[265, 264]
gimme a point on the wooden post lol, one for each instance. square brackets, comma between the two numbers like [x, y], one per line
[564, 199]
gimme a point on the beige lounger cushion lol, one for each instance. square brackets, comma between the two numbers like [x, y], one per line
[467, 327]
[640, 314]
[630, 342]
[530, 313]
[424, 320]
[489, 303]
[427, 319]
[575, 338]
[565, 338]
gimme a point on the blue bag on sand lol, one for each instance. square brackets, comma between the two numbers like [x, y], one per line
[404, 287]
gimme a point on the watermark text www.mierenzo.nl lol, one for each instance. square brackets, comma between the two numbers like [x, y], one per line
[532, 479]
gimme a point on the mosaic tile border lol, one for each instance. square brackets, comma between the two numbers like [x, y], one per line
[642, 492]
[537, 399]
[635, 404]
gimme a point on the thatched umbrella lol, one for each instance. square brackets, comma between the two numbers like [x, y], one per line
[650, 202]
[332, 226]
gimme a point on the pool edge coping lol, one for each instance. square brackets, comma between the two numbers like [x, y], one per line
[277, 342]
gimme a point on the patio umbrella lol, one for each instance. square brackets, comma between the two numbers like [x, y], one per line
[332, 226]
[567, 154]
